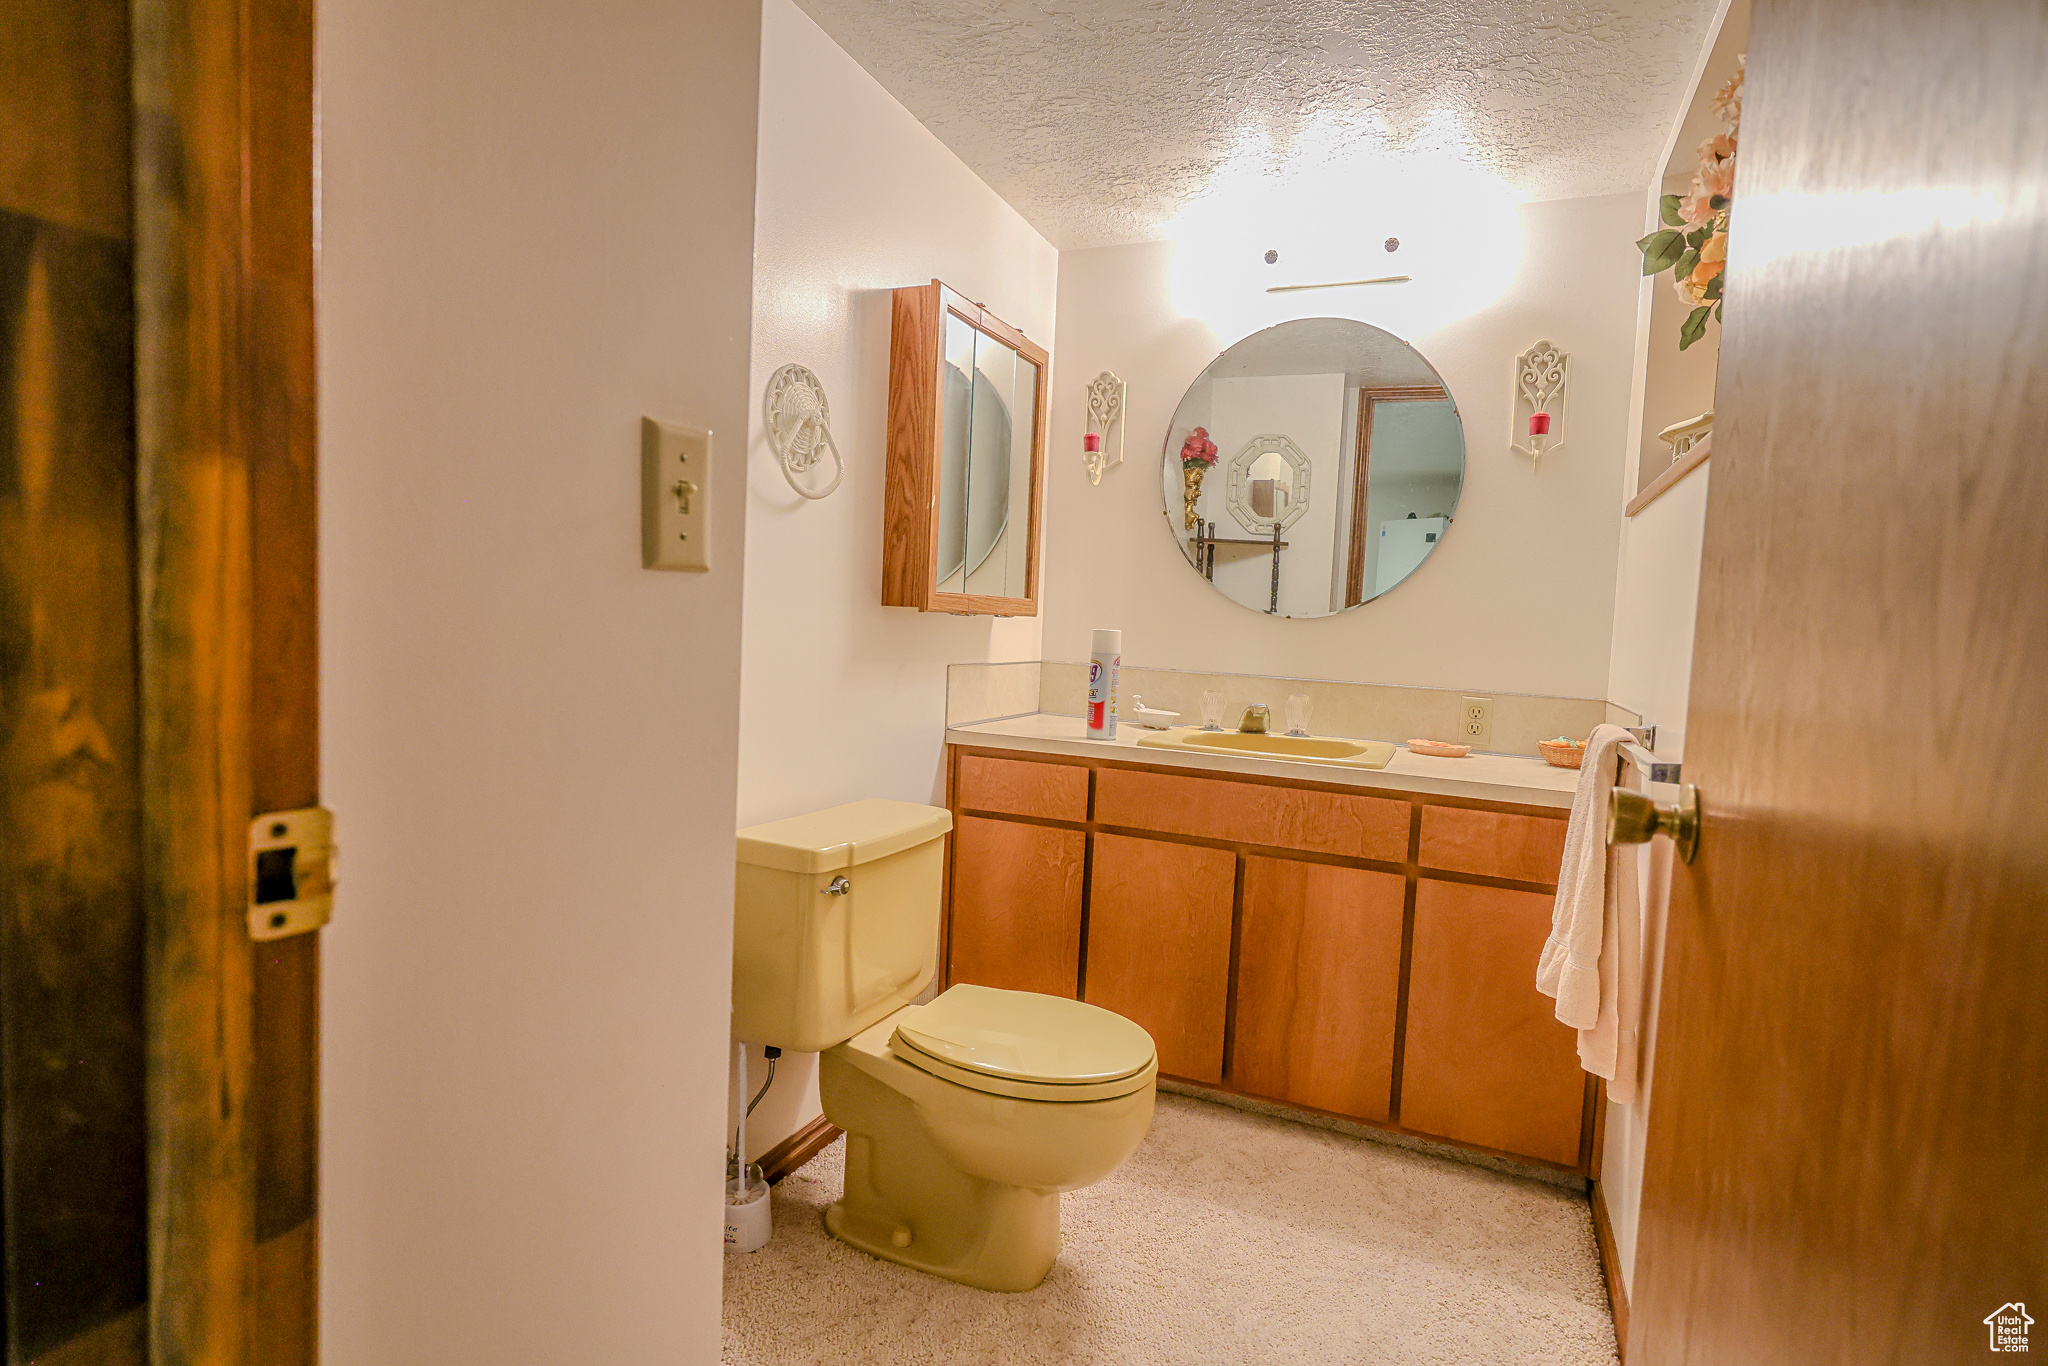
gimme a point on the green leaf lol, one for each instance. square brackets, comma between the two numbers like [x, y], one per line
[1698, 236]
[1713, 289]
[1717, 316]
[1695, 326]
[1660, 250]
[1686, 264]
[1667, 210]
[1718, 202]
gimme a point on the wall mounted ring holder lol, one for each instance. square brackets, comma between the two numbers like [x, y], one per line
[1105, 424]
[799, 426]
[1536, 418]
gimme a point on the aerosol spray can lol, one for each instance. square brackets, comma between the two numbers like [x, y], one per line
[1105, 657]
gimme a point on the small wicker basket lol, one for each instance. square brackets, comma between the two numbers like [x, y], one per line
[1563, 753]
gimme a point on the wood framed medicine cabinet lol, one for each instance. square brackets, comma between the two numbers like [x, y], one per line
[967, 408]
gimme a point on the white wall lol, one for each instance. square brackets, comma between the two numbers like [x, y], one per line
[844, 698]
[1656, 598]
[539, 226]
[1650, 671]
[1517, 599]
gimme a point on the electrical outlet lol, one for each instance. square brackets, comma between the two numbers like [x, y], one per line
[1475, 722]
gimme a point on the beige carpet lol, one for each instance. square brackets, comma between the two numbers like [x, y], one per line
[1229, 1237]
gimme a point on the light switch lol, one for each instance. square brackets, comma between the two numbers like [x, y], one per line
[675, 496]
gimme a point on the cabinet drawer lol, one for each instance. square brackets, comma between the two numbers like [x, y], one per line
[1486, 1060]
[1492, 843]
[1019, 787]
[1254, 813]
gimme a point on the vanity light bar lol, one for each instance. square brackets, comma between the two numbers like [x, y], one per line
[1341, 284]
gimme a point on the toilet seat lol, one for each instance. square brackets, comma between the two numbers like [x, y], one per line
[1025, 1045]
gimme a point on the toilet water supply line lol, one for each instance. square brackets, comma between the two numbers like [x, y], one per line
[733, 1156]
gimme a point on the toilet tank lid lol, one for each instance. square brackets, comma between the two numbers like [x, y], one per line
[842, 836]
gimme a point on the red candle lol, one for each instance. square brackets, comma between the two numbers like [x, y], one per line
[1092, 442]
[1539, 424]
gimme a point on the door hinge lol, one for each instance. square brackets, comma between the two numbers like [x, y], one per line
[291, 872]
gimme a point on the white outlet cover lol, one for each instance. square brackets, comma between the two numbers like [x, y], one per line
[1475, 721]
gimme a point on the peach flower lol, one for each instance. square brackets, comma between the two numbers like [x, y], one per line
[1717, 148]
[1717, 179]
[1714, 250]
[1697, 208]
[1728, 101]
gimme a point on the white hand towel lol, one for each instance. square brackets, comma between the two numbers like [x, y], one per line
[1592, 962]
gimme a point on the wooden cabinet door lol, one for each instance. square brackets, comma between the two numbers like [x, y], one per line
[1016, 907]
[1485, 1059]
[1318, 985]
[1159, 945]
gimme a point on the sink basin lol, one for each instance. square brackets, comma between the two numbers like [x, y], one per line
[1313, 749]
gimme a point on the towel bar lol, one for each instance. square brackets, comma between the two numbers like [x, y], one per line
[1653, 769]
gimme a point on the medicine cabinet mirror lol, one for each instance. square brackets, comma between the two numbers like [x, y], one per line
[1312, 467]
[966, 458]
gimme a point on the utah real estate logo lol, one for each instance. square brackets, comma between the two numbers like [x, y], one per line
[2008, 1324]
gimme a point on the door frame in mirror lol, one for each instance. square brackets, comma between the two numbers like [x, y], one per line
[910, 504]
[1368, 401]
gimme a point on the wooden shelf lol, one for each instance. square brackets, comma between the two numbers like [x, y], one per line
[1665, 482]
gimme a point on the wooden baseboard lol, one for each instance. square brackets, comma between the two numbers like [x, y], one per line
[1610, 1266]
[799, 1148]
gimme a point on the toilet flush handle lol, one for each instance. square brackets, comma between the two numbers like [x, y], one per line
[838, 886]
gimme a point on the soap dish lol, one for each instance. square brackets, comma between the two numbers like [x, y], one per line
[1152, 718]
[1562, 753]
[1438, 749]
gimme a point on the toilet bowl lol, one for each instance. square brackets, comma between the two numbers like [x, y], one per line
[966, 1118]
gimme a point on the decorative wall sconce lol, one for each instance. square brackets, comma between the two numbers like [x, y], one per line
[799, 424]
[1105, 420]
[1536, 419]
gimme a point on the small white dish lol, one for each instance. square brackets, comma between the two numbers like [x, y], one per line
[1152, 718]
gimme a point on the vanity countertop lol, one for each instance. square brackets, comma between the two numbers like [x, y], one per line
[1522, 779]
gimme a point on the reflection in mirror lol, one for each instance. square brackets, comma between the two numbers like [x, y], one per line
[985, 446]
[955, 426]
[1328, 466]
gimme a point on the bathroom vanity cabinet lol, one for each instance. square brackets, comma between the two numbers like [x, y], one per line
[1363, 953]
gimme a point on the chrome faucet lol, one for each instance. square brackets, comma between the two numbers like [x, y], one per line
[1254, 722]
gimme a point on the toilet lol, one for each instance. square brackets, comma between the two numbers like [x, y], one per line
[966, 1117]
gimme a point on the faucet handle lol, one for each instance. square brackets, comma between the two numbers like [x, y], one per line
[1254, 722]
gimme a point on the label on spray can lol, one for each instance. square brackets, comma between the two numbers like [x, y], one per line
[1102, 672]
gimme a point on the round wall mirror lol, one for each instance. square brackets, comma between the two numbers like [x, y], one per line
[1313, 466]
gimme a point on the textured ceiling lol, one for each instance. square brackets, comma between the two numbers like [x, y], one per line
[1101, 119]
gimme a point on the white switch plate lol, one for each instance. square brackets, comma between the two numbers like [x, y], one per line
[675, 496]
[1475, 722]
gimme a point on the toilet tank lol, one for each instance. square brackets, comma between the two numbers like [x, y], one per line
[812, 967]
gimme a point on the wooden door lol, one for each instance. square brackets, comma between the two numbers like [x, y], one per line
[1318, 985]
[1016, 907]
[1484, 1060]
[1159, 945]
[158, 680]
[1847, 1154]
[74, 1218]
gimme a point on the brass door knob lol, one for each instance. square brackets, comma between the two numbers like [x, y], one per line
[1633, 818]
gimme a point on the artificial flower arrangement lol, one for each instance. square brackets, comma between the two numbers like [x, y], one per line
[1197, 454]
[1693, 245]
